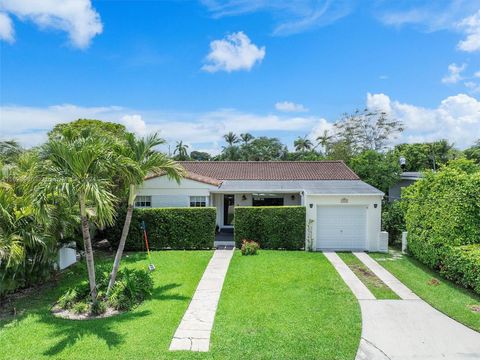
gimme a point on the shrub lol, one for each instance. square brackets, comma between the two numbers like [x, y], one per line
[99, 307]
[273, 227]
[167, 228]
[130, 289]
[393, 222]
[442, 210]
[249, 247]
[68, 299]
[80, 308]
[462, 265]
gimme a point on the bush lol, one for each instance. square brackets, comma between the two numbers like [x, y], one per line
[273, 227]
[167, 228]
[442, 210]
[462, 265]
[393, 222]
[130, 289]
[249, 247]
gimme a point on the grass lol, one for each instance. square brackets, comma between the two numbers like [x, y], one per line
[277, 305]
[449, 298]
[378, 288]
[285, 305]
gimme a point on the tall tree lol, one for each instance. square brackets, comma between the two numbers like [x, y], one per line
[80, 168]
[231, 138]
[324, 140]
[200, 156]
[246, 138]
[181, 151]
[302, 144]
[367, 129]
[473, 152]
[141, 152]
[264, 149]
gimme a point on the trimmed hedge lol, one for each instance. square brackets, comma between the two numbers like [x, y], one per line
[273, 227]
[462, 265]
[167, 228]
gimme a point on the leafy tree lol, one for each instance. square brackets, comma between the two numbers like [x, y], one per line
[230, 153]
[473, 152]
[377, 169]
[302, 144]
[10, 150]
[340, 150]
[231, 138]
[80, 168]
[246, 138]
[144, 160]
[98, 127]
[200, 156]
[367, 129]
[311, 155]
[181, 151]
[264, 149]
[423, 156]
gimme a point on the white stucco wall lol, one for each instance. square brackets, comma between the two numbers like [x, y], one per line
[168, 193]
[373, 215]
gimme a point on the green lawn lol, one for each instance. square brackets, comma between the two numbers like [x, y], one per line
[378, 288]
[277, 305]
[442, 294]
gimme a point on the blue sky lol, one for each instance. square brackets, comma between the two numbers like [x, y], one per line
[194, 70]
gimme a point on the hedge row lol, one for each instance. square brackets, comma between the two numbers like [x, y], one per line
[273, 227]
[462, 265]
[168, 228]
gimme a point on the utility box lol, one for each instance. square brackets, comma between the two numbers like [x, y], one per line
[404, 242]
[383, 242]
[67, 255]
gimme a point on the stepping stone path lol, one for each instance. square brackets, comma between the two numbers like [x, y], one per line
[193, 333]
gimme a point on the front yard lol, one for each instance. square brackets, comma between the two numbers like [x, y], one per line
[275, 305]
[451, 299]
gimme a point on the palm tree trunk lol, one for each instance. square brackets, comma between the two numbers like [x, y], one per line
[123, 239]
[88, 249]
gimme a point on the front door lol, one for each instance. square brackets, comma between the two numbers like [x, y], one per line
[228, 208]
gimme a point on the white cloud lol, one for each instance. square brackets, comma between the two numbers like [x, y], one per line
[288, 106]
[472, 86]
[454, 73]
[234, 52]
[477, 74]
[76, 17]
[292, 16]
[378, 102]
[457, 118]
[6, 28]
[30, 125]
[471, 27]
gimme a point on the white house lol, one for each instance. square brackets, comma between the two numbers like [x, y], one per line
[343, 212]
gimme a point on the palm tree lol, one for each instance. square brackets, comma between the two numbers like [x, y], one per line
[80, 169]
[302, 144]
[231, 138]
[9, 151]
[324, 139]
[141, 152]
[246, 138]
[181, 150]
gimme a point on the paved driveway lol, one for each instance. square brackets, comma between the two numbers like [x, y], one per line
[405, 329]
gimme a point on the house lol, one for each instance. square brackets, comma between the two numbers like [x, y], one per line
[407, 178]
[343, 212]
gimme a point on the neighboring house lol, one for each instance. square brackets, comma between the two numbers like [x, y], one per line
[407, 178]
[343, 212]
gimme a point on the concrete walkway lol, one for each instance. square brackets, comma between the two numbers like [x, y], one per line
[194, 330]
[408, 329]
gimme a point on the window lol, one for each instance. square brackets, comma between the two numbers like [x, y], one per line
[143, 201]
[198, 201]
[267, 201]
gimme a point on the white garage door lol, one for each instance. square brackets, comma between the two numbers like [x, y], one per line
[341, 227]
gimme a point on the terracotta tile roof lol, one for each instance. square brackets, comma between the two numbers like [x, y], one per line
[268, 170]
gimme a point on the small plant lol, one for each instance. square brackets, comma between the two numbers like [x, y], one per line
[80, 308]
[249, 247]
[68, 300]
[131, 288]
[99, 307]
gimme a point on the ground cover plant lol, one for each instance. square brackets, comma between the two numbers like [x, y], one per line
[455, 301]
[378, 288]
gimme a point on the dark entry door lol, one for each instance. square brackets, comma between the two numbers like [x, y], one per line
[228, 208]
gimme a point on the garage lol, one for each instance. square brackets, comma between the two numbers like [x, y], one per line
[341, 227]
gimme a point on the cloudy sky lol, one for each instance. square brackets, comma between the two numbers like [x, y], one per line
[193, 70]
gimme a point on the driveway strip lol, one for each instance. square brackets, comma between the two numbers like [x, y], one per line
[391, 281]
[358, 288]
[193, 333]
